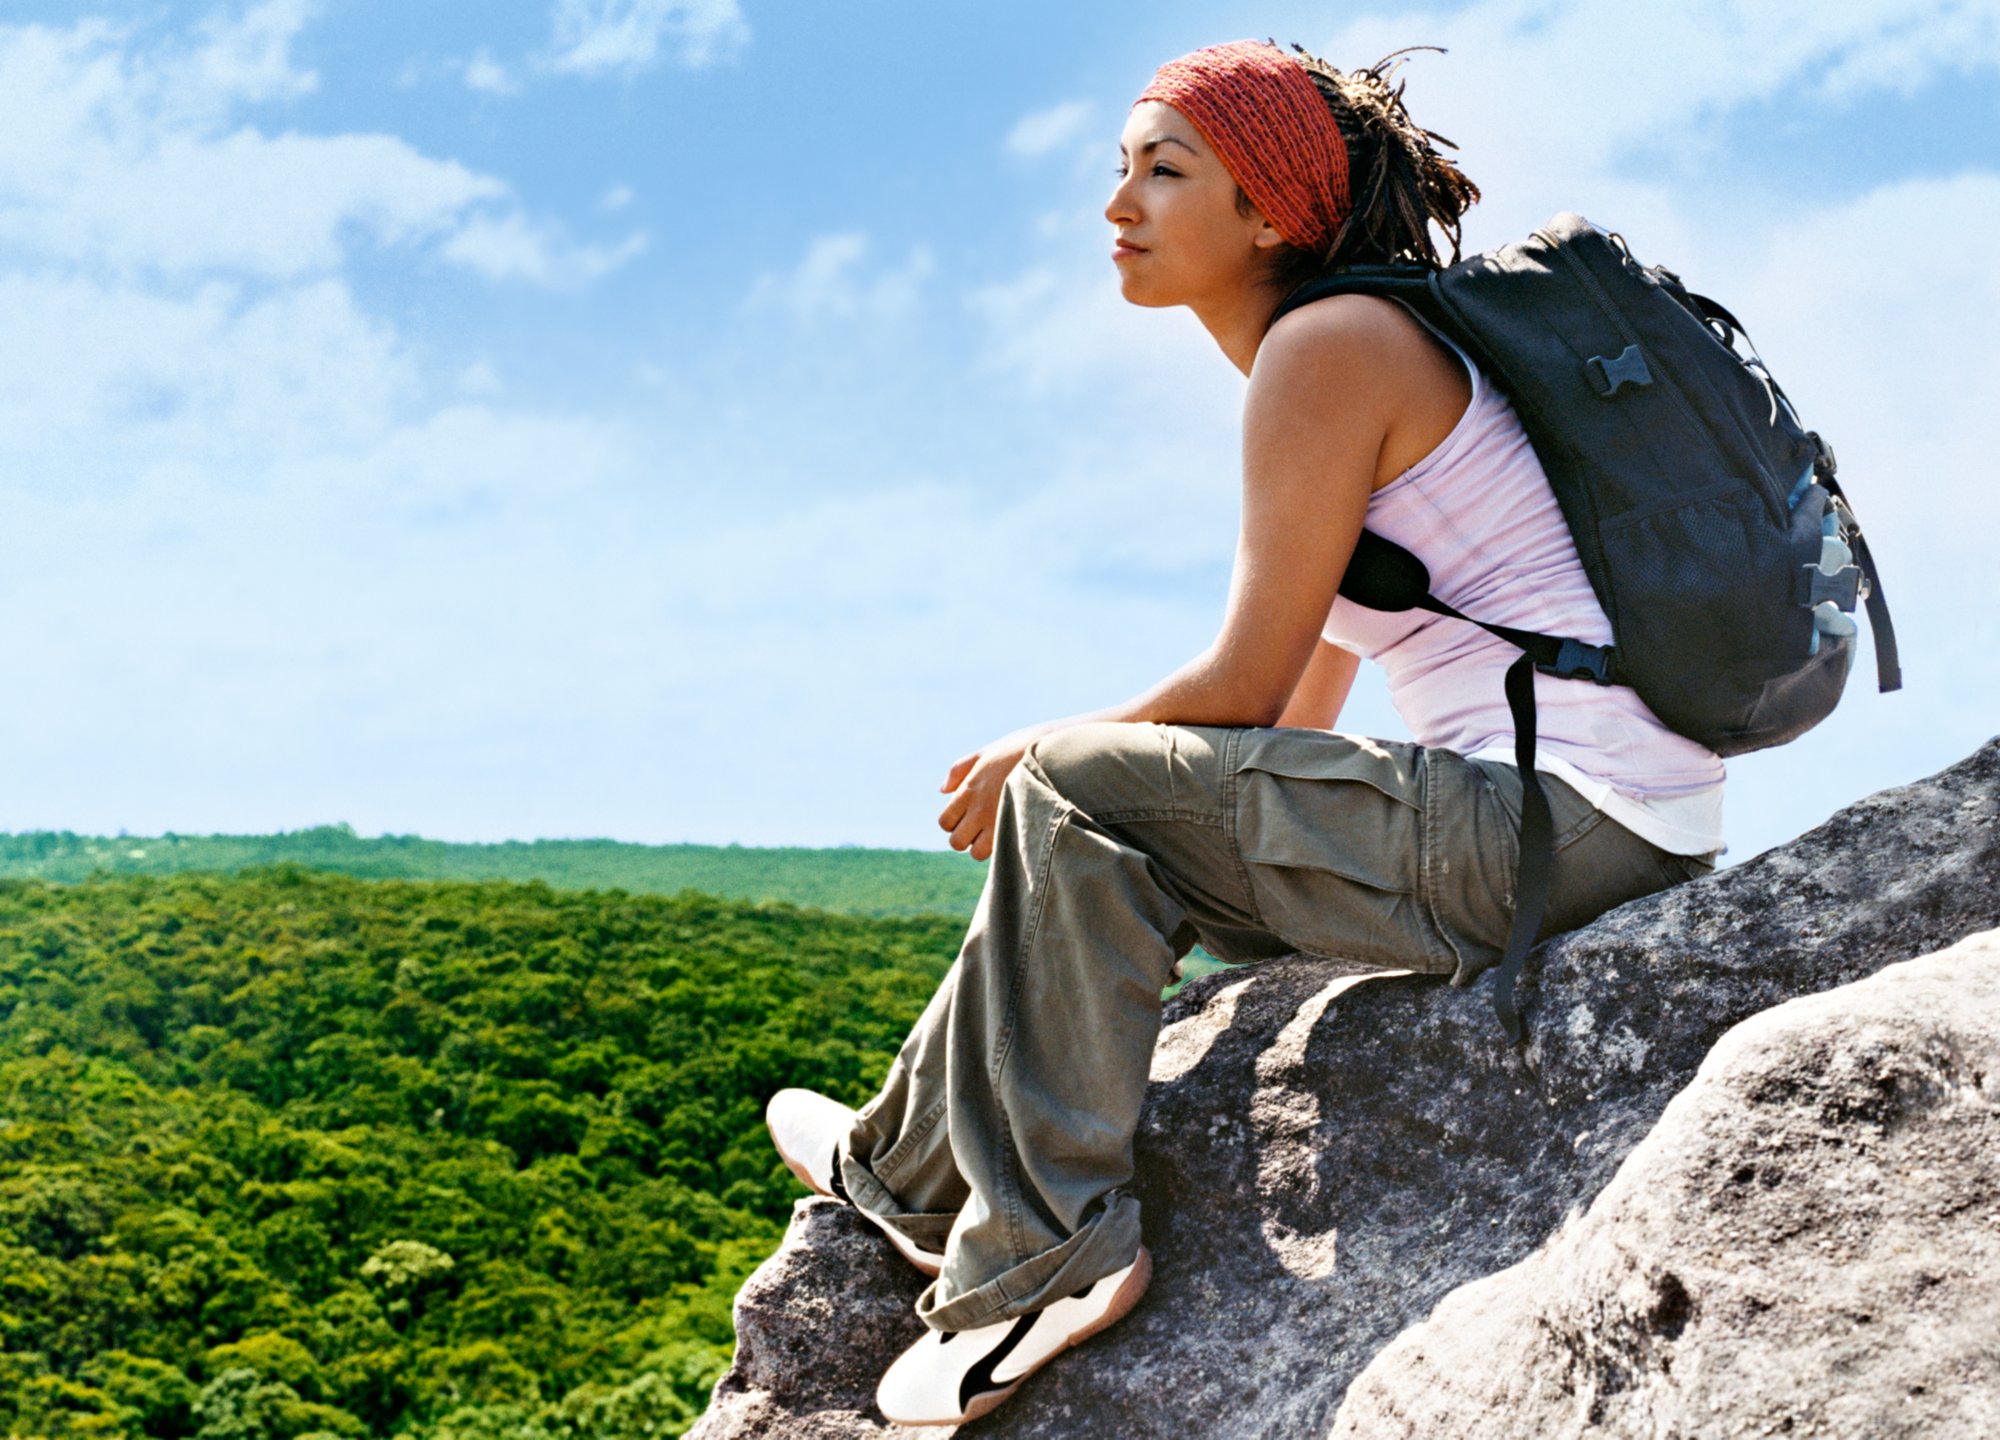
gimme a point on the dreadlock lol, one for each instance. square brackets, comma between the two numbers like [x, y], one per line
[1398, 183]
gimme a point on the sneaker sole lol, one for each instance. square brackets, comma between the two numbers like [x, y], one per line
[804, 1176]
[905, 1247]
[1120, 1306]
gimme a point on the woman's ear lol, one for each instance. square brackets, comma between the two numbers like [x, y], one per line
[1265, 235]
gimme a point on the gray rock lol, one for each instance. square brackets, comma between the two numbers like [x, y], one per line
[1808, 1243]
[1324, 1157]
[815, 1327]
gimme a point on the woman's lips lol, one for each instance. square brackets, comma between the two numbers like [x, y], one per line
[1125, 250]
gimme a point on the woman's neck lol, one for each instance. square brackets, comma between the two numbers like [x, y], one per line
[1238, 321]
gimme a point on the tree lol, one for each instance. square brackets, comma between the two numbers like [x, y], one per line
[404, 1271]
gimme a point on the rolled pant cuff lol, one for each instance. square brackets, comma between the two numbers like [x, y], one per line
[865, 1190]
[1106, 1244]
[867, 1193]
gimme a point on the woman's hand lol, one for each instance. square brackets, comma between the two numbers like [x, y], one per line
[974, 783]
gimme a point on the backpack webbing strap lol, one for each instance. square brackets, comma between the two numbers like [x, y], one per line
[1570, 660]
[1537, 849]
[1888, 665]
[1555, 655]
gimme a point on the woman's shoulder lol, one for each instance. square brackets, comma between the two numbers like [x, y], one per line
[1343, 317]
[1355, 333]
[1363, 358]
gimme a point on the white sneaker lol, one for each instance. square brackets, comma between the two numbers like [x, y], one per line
[950, 1377]
[808, 1128]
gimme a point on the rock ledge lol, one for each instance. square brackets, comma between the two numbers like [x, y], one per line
[1323, 1158]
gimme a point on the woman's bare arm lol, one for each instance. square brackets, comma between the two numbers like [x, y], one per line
[1322, 690]
[1320, 402]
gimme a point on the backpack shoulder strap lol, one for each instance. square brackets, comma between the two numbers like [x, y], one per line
[1406, 281]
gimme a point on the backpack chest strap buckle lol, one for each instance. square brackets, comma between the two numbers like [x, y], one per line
[1578, 661]
[1814, 587]
[1608, 373]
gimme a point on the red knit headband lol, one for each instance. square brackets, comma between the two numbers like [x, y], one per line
[1260, 112]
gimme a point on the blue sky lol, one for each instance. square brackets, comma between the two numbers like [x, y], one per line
[705, 421]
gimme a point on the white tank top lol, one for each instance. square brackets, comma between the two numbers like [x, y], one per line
[1479, 512]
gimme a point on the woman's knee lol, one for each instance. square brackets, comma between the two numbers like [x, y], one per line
[1106, 767]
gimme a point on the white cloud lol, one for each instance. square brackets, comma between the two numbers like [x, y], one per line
[827, 282]
[615, 199]
[513, 247]
[480, 379]
[177, 309]
[116, 156]
[1038, 133]
[488, 76]
[367, 582]
[1602, 80]
[250, 59]
[1913, 45]
[594, 37]
[1063, 325]
[297, 531]
[99, 381]
[130, 158]
[292, 200]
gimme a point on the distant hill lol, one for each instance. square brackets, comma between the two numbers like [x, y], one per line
[853, 880]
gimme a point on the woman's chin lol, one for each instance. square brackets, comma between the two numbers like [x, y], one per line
[1137, 292]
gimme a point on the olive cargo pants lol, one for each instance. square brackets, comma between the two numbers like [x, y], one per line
[1003, 1134]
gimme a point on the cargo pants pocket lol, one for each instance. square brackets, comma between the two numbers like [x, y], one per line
[1331, 832]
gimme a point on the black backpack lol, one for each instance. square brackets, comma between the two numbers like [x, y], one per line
[1707, 517]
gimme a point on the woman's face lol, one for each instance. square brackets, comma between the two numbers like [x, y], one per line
[1181, 239]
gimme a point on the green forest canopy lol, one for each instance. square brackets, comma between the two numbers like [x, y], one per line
[291, 1154]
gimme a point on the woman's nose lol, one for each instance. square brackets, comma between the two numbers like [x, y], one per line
[1119, 209]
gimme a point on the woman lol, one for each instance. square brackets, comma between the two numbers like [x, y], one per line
[1218, 806]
